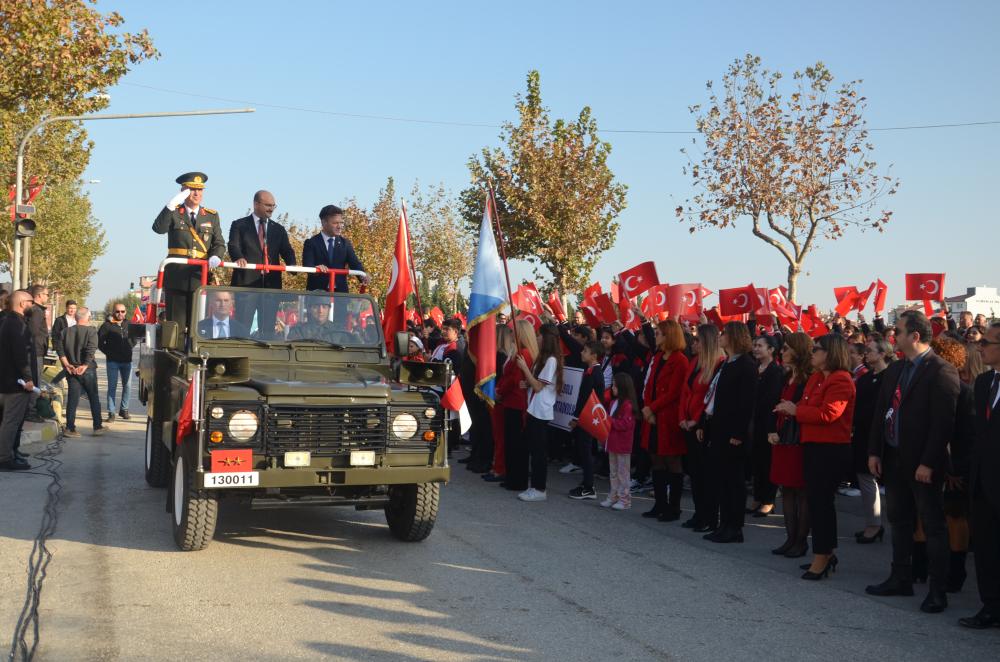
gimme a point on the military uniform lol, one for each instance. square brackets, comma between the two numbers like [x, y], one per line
[199, 237]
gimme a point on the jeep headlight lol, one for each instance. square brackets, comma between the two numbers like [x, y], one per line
[243, 425]
[404, 426]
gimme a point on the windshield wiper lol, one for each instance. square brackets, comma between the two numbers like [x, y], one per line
[331, 345]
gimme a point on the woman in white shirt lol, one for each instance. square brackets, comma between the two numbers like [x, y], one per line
[544, 380]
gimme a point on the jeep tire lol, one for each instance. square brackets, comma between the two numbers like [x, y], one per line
[157, 457]
[195, 511]
[412, 510]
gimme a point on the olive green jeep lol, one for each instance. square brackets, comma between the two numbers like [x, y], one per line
[307, 412]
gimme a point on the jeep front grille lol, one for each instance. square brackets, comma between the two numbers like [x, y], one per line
[325, 431]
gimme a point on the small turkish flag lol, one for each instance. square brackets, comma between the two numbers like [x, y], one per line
[763, 301]
[813, 324]
[685, 300]
[616, 292]
[533, 320]
[236, 459]
[591, 291]
[605, 309]
[738, 300]
[925, 287]
[847, 299]
[880, 290]
[638, 279]
[594, 419]
[657, 300]
[527, 299]
[137, 316]
[437, 315]
[556, 305]
[863, 297]
[454, 400]
[628, 317]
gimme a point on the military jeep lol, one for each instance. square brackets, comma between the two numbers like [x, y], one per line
[307, 413]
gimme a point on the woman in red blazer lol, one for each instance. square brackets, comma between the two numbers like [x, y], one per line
[825, 415]
[662, 436]
[708, 356]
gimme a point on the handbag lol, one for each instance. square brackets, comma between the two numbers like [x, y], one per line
[790, 434]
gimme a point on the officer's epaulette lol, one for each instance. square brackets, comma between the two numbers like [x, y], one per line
[206, 210]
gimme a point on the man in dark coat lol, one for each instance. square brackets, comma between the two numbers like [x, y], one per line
[330, 249]
[16, 384]
[257, 239]
[913, 423]
[39, 342]
[193, 231]
[78, 351]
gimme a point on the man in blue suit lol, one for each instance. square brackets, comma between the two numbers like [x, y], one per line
[330, 250]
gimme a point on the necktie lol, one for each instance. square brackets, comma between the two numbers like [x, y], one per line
[260, 237]
[992, 398]
[220, 329]
[194, 216]
[329, 251]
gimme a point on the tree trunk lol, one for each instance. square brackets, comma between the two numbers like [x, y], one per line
[793, 275]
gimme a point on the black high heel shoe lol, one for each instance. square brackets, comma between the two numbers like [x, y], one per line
[831, 566]
[862, 539]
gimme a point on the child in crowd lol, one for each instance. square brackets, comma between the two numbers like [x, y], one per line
[544, 381]
[591, 382]
[623, 407]
[415, 349]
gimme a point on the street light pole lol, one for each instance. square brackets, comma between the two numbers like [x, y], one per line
[22, 254]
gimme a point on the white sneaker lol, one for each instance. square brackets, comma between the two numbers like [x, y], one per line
[607, 503]
[569, 469]
[531, 494]
[618, 505]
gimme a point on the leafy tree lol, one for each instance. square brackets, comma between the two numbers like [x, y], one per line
[131, 302]
[68, 241]
[373, 234]
[557, 197]
[54, 56]
[442, 252]
[798, 169]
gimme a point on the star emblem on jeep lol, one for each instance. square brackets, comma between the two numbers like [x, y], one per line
[233, 461]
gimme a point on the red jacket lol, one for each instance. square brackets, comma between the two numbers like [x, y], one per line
[662, 394]
[622, 429]
[693, 392]
[826, 410]
[509, 389]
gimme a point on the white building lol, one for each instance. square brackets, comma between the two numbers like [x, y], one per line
[977, 300]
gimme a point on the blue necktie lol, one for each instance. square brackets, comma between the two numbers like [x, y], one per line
[329, 251]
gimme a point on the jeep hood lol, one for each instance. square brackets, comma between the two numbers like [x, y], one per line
[297, 379]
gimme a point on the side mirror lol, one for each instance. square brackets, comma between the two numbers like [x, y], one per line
[402, 343]
[170, 335]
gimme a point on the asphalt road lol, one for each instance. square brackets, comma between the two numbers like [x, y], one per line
[497, 580]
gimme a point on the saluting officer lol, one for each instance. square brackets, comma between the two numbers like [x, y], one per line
[192, 231]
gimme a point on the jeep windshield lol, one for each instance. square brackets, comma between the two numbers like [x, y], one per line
[276, 316]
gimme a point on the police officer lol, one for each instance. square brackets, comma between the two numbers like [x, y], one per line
[192, 231]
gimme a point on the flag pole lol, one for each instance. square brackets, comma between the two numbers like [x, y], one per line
[413, 266]
[492, 202]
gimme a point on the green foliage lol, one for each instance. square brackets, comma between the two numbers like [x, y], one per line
[131, 301]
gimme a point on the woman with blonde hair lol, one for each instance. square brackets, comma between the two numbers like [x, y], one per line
[506, 349]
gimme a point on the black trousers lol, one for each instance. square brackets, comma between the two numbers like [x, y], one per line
[86, 384]
[178, 307]
[264, 307]
[515, 448]
[584, 444]
[537, 433]
[764, 490]
[696, 463]
[727, 470]
[481, 434]
[823, 465]
[905, 501]
[986, 545]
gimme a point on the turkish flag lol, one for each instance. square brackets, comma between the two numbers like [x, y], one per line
[534, 320]
[589, 310]
[414, 316]
[454, 400]
[720, 320]
[461, 318]
[400, 287]
[684, 300]
[185, 420]
[847, 299]
[616, 292]
[527, 299]
[556, 305]
[594, 419]
[738, 300]
[591, 291]
[704, 292]
[437, 315]
[605, 309]
[880, 290]
[137, 316]
[778, 300]
[813, 324]
[234, 459]
[658, 299]
[628, 317]
[925, 287]
[863, 297]
[763, 301]
[638, 279]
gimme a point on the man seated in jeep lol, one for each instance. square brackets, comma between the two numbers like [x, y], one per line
[319, 326]
[221, 323]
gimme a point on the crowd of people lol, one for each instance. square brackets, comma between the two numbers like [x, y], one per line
[900, 416]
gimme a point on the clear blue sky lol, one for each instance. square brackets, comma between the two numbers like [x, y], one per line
[638, 65]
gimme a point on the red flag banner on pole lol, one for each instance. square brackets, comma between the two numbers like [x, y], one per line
[658, 298]
[605, 309]
[925, 287]
[880, 291]
[684, 300]
[738, 300]
[863, 297]
[847, 299]
[628, 317]
[555, 303]
[638, 279]
[137, 316]
[531, 319]
[763, 301]
[527, 299]
[589, 310]
[594, 419]
[400, 287]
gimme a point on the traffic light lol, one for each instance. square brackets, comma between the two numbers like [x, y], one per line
[24, 227]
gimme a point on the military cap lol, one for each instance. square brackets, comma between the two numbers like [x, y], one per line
[194, 180]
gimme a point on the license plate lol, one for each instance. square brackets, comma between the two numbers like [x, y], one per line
[362, 458]
[232, 479]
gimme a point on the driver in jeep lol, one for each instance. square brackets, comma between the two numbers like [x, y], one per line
[318, 326]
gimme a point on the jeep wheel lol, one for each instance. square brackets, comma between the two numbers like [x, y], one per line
[157, 457]
[412, 510]
[195, 512]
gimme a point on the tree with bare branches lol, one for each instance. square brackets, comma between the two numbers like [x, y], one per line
[798, 169]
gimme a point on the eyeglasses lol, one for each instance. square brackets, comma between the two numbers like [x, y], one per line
[119, 312]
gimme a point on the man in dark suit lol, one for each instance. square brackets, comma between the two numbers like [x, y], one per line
[221, 323]
[16, 384]
[914, 421]
[256, 239]
[984, 485]
[76, 353]
[330, 250]
[193, 231]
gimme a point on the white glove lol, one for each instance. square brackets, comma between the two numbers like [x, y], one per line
[178, 199]
[214, 261]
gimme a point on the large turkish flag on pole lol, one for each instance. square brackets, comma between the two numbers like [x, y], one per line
[400, 287]
[925, 287]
